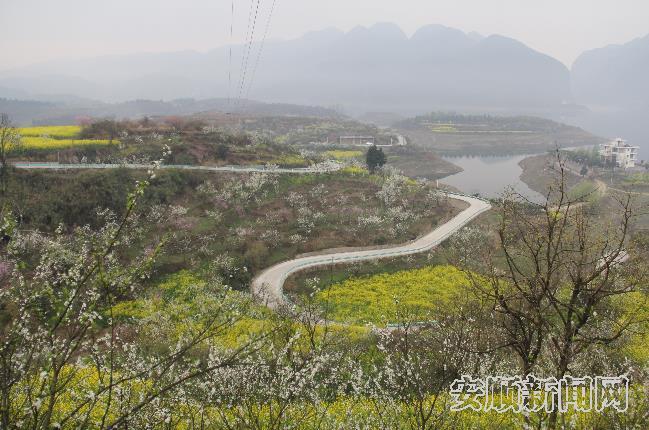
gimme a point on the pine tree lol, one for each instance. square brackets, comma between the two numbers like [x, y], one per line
[375, 158]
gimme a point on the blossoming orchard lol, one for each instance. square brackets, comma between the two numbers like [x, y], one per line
[273, 266]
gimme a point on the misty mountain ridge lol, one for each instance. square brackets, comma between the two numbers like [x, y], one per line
[62, 110]
[616, 75]
[367, 67]
[614, 82]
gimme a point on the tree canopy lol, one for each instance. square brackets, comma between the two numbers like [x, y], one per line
[375, 158]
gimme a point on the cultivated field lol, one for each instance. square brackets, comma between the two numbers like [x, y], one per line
[56, 138]
[456, 134]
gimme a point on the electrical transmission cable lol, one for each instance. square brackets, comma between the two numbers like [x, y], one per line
[230, 59]
[246, 57]
[261, 47]
[243, 51]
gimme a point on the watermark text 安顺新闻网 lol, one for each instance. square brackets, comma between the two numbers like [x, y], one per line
[533, 394]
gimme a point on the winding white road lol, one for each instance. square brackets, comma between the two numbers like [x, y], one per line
[269, 284]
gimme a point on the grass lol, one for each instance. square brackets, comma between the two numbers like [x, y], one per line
[586, 191]
[443, 128]
[290, 161]
[386, 297]
[354, 171]
[638, 179]
[343, 155]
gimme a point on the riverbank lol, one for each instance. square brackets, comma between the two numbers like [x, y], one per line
[417, 162]
[540, 173]
[537, 172]
[490, 176]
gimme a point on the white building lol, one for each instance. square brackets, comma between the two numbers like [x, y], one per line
[620, 153]
[357, 140]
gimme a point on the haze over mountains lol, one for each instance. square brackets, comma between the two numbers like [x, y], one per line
[370, 70]
[617, 75]
[614, 83]
[372, 66]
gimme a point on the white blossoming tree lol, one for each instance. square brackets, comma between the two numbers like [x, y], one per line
[66, 362]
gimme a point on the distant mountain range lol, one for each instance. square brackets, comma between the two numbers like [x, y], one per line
[60, 112]
[375, 69]
[366, 69]
[614, 83]
[617, 75]
[363, 68]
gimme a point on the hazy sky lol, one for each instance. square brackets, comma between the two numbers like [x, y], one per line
[36, 30]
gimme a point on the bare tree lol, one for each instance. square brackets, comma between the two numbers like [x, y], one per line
[556, 280]
[9, 140]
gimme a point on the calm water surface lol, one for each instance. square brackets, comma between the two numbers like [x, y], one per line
[490, 176]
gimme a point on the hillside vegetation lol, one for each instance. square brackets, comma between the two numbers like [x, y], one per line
[125, 298]
[458, 134]
[233, 223]
[191, 142]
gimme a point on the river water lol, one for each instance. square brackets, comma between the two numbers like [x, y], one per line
[490, 176]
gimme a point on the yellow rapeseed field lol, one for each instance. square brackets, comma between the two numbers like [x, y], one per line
[45, 143]
[56, 131]
[56, 137]
[381, 298]
[341, 155]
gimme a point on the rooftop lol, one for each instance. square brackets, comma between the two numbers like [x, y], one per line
[620, 143]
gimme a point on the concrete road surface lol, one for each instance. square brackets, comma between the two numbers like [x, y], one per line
[268, 284]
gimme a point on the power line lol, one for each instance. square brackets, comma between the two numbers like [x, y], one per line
[261, 47]
[249, 50]
[230, 60]
[246, 39]
[246, 57]
[243, 52]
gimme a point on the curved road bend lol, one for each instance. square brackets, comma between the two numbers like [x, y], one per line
[269, 283]
[241, 169]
